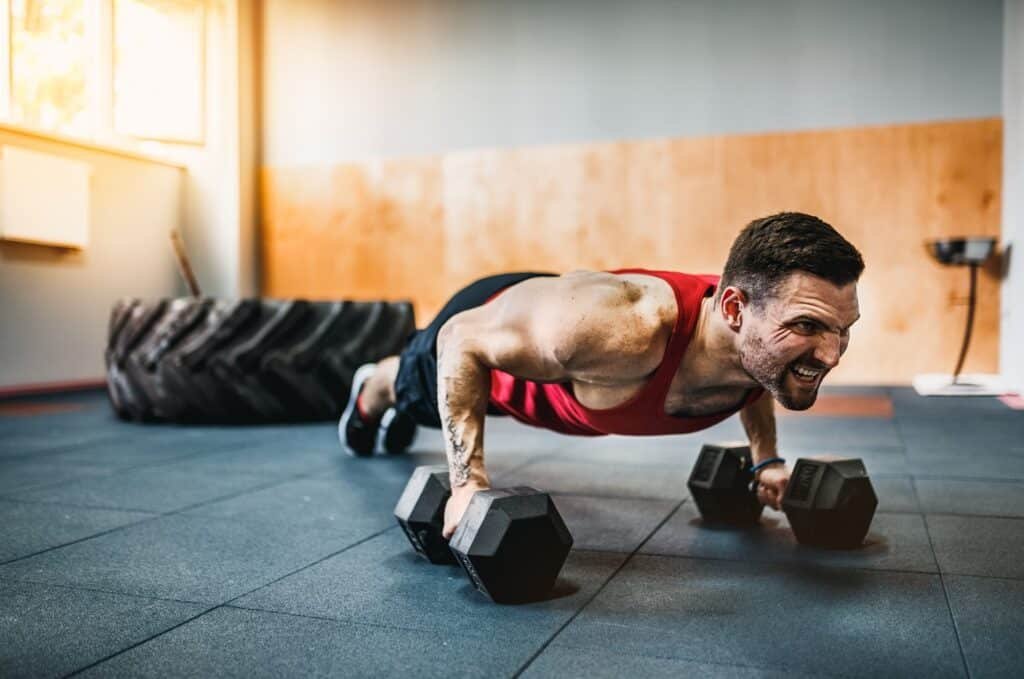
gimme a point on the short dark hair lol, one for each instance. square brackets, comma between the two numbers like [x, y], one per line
[769, 249]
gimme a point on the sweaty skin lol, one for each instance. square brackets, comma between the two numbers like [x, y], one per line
[558, 330]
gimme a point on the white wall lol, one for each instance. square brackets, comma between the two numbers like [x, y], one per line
[54, 307]
[370, 78]
[55, 304]
[219, 217]
[1012, 330]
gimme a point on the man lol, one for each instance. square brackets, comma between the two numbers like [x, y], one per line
[627, 352]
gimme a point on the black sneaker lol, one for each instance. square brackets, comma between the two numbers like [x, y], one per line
[396, 433]
[358, 437]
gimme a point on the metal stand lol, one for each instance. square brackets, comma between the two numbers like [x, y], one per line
[960, 251]
[972, 298]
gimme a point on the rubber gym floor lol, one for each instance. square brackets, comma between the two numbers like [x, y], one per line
[159, 550]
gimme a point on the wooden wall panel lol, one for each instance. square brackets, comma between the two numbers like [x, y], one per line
[420, 228]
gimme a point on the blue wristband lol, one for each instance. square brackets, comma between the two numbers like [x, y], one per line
[764, 463]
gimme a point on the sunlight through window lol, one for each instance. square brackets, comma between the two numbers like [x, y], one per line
[50, 66]
[158, 69]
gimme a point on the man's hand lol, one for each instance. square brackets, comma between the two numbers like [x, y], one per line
[771, 485]
[456, 506]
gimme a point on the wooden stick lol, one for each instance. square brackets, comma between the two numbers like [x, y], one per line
[183, 265]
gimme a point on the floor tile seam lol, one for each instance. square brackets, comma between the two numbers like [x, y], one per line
[702, 661]
[949, 604]
[152, 516]
[609, 496]
[348, 546]
[978, 576]
[970, 479]
[141, 642]
[101, 590]
[215, 449]
[147, 519]
[536, 654]
[68, 448]
[787, 562]
[78, 505]
[938, 567]
[102, 474]
[74, 505]
[327, 618]
[267, 484]
[254, 522]
[1005, 517]
[535, 458]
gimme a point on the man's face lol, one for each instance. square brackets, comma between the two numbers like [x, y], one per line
[796, 337]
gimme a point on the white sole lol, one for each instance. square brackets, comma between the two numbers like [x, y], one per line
[358, 380]
[385, 421]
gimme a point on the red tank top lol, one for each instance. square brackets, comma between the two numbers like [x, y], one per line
[552, 405]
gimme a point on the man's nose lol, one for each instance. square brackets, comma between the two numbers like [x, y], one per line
[829, 350]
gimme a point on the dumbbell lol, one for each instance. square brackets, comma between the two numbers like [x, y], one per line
[829, 503]
[511, 542]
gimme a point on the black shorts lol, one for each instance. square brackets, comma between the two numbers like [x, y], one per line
[416, 383]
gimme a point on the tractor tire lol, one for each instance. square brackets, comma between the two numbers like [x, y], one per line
[244, 361]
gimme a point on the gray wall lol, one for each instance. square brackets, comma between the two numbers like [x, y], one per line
[368, 78]
[1012, 331]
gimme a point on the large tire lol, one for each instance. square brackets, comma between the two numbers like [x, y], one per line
[244, 361]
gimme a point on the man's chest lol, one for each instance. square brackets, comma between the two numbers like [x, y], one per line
[704, 402]
[679, 402]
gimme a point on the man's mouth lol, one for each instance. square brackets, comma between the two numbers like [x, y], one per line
[806, 375]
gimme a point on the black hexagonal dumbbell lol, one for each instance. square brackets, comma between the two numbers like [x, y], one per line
[420, 513]
[512, 544]
[829, 503]
[720, 484]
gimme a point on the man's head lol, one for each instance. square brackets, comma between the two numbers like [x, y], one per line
[789, 292]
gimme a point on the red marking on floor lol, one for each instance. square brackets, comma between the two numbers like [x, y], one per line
[836, 405]
[1015, 401]
[27, 409]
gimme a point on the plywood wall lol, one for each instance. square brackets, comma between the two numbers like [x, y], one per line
[420, 228]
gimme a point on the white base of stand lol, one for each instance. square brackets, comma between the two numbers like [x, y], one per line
[938, 384]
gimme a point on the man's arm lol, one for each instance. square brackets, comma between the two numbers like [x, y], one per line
[543, 329]
[759, 421]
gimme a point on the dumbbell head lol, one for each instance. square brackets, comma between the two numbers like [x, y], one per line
[512, 543]
[420, 512]
[720, 484]
[830, 503]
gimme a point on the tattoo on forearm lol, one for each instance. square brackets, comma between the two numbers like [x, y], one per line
[459, 458]
[459, 400]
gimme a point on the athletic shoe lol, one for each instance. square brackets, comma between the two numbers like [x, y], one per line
[358, 437]
[396, 433]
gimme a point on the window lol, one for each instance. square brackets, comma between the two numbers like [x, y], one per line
[104, 70]
[49, 65]
[158, 69]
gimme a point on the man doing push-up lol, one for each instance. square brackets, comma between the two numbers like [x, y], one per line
[632, 351]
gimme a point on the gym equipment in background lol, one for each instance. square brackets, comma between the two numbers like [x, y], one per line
[971, 252]
[244, 361]
[196, 359]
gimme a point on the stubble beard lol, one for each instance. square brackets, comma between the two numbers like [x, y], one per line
[758, 363]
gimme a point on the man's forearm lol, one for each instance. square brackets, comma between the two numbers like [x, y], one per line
[759, 422]
[463, 389]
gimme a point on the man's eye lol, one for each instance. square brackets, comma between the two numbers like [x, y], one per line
[806, 326]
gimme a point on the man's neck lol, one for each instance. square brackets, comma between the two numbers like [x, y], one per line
[712, 358]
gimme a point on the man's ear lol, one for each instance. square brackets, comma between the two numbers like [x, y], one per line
[734, 304]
